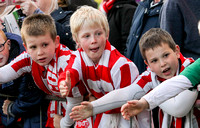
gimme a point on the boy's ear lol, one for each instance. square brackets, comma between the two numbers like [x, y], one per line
[146, 62]
[25, 46]
[78, 45]
[57, 41]
[107, 35]
[177, 51]
[9, 44]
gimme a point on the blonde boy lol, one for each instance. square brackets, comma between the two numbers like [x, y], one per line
[97, 64]
[45, 58]
[164, 60]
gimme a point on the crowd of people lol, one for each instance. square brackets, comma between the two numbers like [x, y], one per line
[97, 64]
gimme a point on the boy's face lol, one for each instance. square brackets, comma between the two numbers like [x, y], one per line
[163, 60]
[4, 55]
[41, 48]
[92, 40]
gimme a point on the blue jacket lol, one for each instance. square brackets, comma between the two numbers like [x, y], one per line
[145, 18]
[180, 18]
[28, 96]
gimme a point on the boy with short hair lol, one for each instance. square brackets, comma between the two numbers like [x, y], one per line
[45, 58]
[26, 95]
[164, 61]
[97, 64]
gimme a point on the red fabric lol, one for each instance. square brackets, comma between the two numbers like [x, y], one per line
[107, 5]
[97, 120]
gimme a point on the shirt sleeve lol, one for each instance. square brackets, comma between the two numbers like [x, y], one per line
[15, 68]
[192, 72]
[166, 90]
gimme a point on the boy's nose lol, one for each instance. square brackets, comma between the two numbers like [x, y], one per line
[40, 52]
[93, 40]
[162, 63]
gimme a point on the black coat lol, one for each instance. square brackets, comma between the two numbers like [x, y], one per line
[120, 19]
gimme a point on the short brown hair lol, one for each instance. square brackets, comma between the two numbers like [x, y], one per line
[38, 24]
[153, 38]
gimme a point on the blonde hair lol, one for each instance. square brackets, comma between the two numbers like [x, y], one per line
[2, 34]
[153, 38]
[37, 25]
[87, 15]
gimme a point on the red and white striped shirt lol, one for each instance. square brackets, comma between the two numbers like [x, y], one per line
[45, 77]
[149, 80]
[113, 71]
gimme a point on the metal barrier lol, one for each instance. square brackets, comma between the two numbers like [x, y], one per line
[47, 97]
[50, 97]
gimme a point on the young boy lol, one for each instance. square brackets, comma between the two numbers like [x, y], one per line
[189, 78]
[163, 59]
[97, 64]
[28, 96]
[45, 58]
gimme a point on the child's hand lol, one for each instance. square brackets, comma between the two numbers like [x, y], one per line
[65, 85]
[56, 120]
[133, 107]
[5, 106]
[82, 111]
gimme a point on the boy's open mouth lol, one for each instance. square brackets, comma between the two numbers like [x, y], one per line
[94, 49]
[42, 60]
[166, 70]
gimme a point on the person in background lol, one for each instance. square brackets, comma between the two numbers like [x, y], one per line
[27, 100]
[73, 5]
[119, 14]
[180, 19]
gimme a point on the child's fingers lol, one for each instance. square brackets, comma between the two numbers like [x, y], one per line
[133, 102]
[68, 79]
[76, 108]
[124, 107]
[63, 88]
[85, 103]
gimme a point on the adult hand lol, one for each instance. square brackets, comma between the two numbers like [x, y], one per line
[133, 107]
[56, 120]
[28, 6]
[5, 106]
[65, 85]
[82, 111]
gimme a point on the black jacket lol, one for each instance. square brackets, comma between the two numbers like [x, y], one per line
[120, 19]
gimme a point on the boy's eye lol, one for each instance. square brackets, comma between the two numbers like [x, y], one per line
[166, 55]
[154, 61]
[32, 47]
[44, 45]
[98, 33]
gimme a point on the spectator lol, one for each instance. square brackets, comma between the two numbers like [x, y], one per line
[60, 16]
[161, 54]
[72, 5]
[44, 59]
[97, 64]
[119, 14]
[28, 99]
[180, 18]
